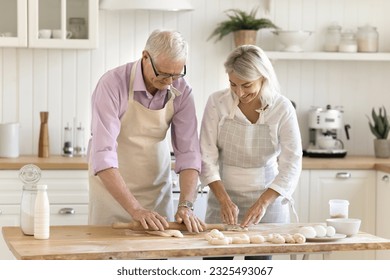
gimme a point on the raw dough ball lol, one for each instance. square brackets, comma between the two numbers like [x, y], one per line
[269, 237]
[257, 239]
[278, 239]
[242, 239]
[289, 239]
[174, 233]
[308, 232]
[330, 231]
[219, 241]
[216, 234]
[299, 238]
[320, 230]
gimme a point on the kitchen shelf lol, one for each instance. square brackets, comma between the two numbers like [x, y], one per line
[277, 55]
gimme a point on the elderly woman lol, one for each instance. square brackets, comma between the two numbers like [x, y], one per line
[250, 144]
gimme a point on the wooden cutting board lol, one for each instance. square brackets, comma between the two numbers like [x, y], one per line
[104, 242]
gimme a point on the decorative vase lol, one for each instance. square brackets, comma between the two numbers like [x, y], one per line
[382, 148]
[245, 37]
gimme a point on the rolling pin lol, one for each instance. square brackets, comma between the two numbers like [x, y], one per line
[135, 225]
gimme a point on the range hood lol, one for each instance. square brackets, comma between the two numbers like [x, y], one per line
[157, 5]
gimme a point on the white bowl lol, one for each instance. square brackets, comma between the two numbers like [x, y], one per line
[292, 40]
[345, 226]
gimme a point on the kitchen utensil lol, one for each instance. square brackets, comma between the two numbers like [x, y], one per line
[43, 145]
[9, 140]
[135, 225]
[345, 226]
[291, 39]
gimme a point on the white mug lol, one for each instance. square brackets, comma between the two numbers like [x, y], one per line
[57, 34]
[44, 34]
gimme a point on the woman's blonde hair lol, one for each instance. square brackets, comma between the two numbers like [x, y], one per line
[250, 63]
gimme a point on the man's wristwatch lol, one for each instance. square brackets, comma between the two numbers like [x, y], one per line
[187, 204]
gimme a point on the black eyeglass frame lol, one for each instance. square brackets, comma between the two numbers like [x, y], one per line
[166, 75]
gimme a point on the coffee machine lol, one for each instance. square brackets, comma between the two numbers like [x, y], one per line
[324, 126]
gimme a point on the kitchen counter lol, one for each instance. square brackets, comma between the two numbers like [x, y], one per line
[55, 162]
[104, 242]
[58, 162]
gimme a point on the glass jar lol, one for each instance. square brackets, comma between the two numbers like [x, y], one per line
[78, 28]
[348, 42]
[367, 39]
[332, 39]
[29, 174]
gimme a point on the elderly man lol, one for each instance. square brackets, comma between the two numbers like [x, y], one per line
[133, 106]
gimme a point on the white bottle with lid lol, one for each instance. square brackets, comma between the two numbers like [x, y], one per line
[42, 214]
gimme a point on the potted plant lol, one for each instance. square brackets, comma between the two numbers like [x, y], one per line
[243, 25]
[380, 127]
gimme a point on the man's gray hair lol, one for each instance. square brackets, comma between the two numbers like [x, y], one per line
[171, 44]
[250, 63]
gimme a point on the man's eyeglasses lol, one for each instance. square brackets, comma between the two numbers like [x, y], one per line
[166, 75]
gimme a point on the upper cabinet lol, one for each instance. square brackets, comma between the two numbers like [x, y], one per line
[62, 24]
[13, 23]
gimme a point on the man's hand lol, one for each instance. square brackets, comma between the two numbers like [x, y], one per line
[192, 222]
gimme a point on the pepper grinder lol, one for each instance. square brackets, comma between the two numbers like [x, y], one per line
[43, 145]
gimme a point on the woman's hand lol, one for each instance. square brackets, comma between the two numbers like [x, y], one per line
[229, 212]
[254, 214]
[193, 223]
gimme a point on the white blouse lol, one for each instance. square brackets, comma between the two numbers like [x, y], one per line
[281, 118]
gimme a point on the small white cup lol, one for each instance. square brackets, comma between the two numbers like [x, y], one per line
[338, 208]
[44, 34]
[57, 34]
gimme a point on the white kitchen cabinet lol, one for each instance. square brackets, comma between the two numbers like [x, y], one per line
[59, 15]
[382, 211]
[68, 196]
[13, 23]
[356, 186]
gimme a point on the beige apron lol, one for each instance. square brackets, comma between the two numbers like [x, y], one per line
[144, 163]
[246, 169]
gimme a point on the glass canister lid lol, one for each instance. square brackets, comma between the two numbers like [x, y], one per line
[30, 174]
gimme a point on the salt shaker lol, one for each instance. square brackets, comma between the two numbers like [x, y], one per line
[42, 214]
[367, 39]
[79, 148]
[30, 174]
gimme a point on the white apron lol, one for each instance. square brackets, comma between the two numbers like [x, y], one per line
[144, 163]
[246, 170]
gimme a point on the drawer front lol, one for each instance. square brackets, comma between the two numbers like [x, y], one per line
[65, 186]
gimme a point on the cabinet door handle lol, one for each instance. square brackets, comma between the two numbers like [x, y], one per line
[385, 178]
[343, 175]
[67, 211]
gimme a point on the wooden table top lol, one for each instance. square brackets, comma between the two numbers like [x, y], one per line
[103, 242]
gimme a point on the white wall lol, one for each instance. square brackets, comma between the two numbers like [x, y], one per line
[62, 81]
